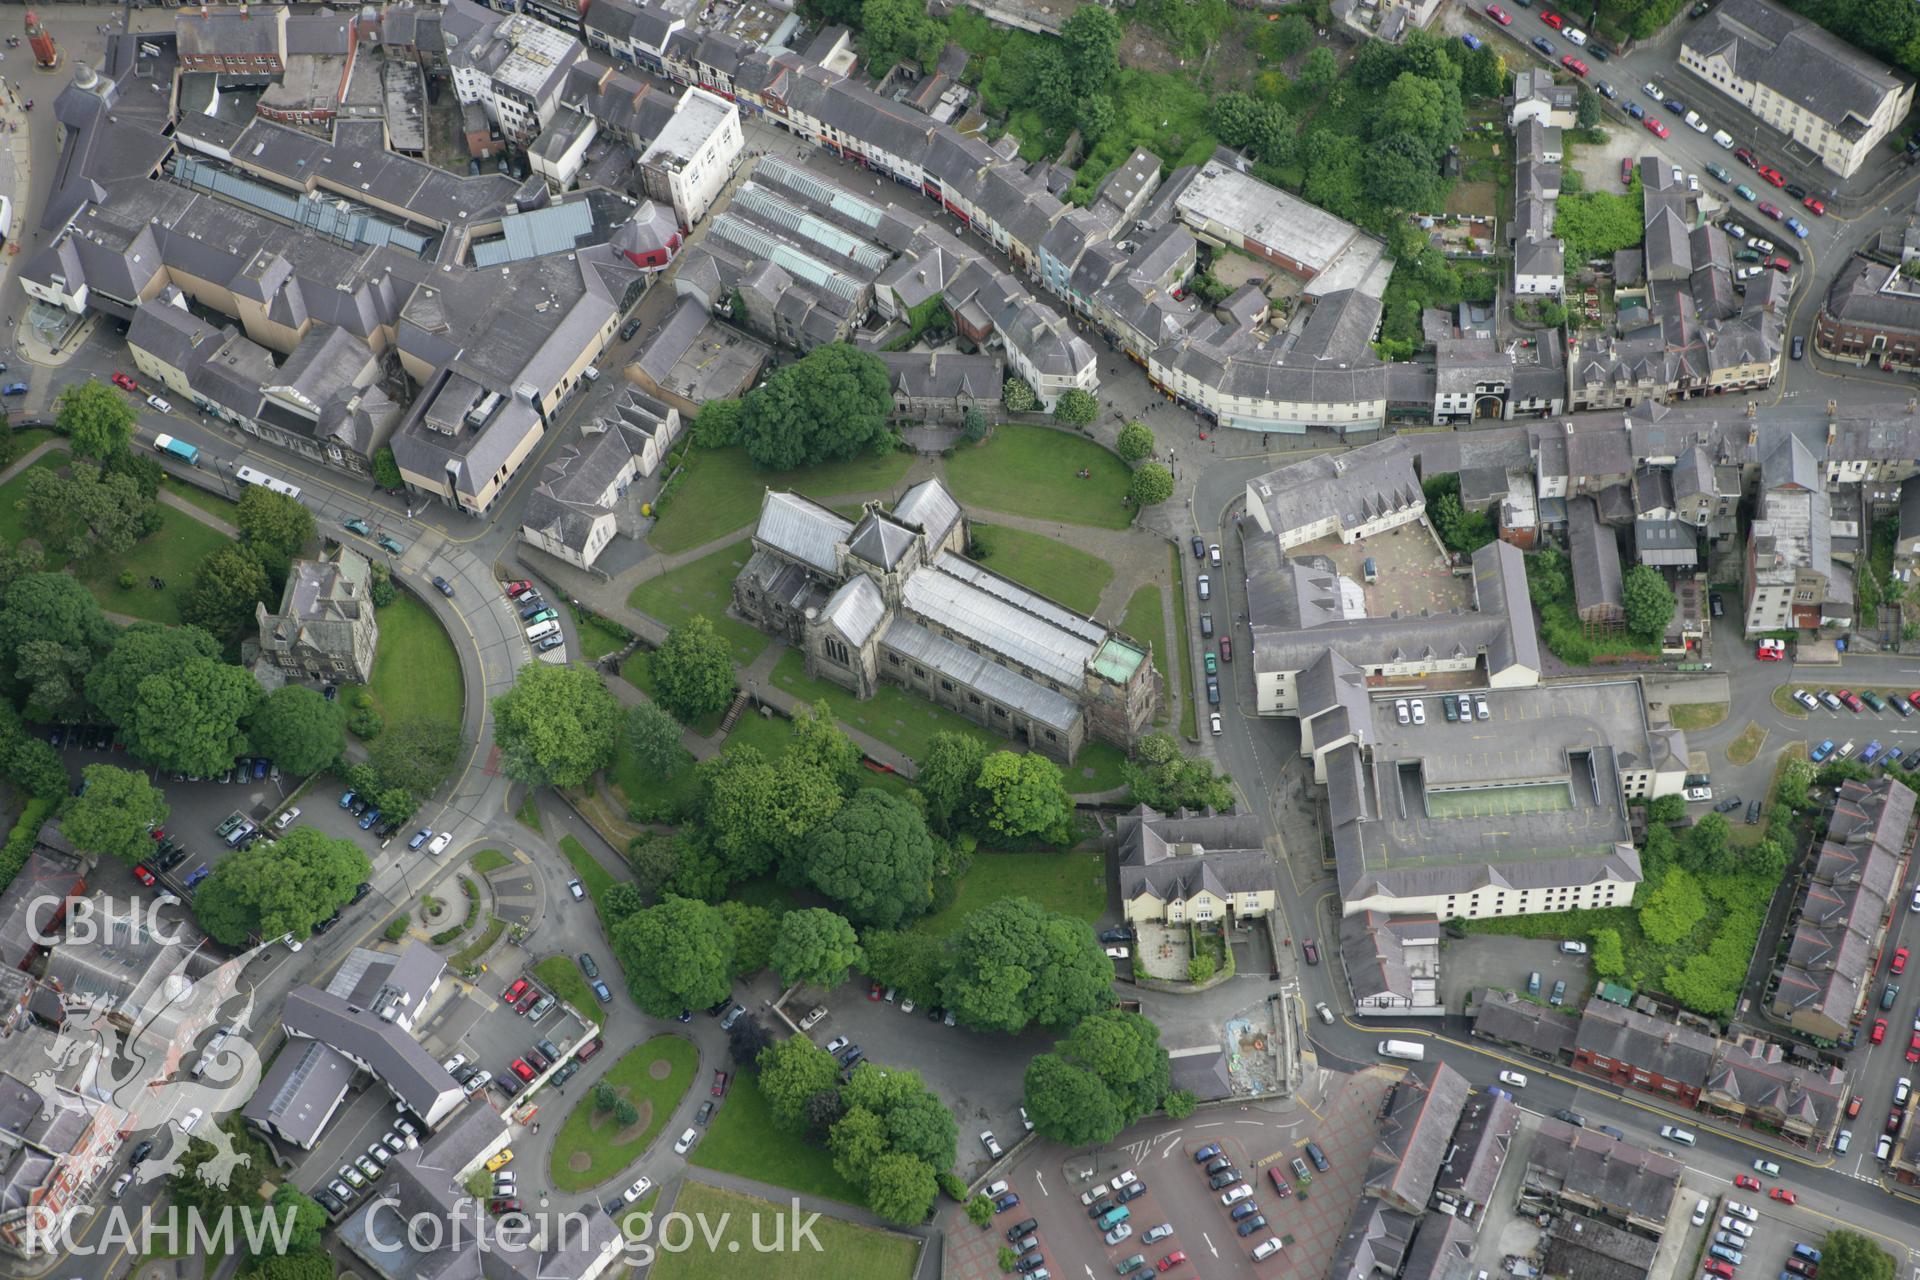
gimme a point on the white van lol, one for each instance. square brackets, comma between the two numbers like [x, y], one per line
[541, 630]
[1403, 1049]
[1575, 37]
[1723, 139]
[1885, 1148]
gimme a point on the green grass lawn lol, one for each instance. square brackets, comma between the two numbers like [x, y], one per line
[1033, 471]
[1189, 721]
[896, 717]
[172, 554]
[596, 640]
[703, 587]
[13, 521]
[212, 503]
[489, 860]
[561, 975]
[1071, 883]
[594, 877]
[637, 671]
[1057, 571]
[667, 796]
[416, 673]
[31, 438]
[1096, 768]
[631, 1078]
[846, 1252]
[723, 489]
[1146, 622]
[742, 1140]
[528, 815]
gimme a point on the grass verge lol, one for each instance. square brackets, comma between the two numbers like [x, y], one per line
[1064, 574]
[416, 673]
[562, 976]
[1689, 716]
[703, 587]
[1034, 471]
[212, 503]
[1073, 884]
[1189, 715]
[723, 489]
[480, 945]
[528, 815]
[585, 1154]
[490, 859]
[1743, 749]
[846, 1252]
[900, 719]
[1146, 621]
[742, 1140]
[1783, 702]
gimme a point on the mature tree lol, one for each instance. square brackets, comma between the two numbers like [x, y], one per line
[899, 30]
[143, 649]
[54, 676]
[821, 1111]
[791, 1071]
[1852, 1255]
[815, 946]
[280, 886]
[1609, 958]
[754, 930]
[1068, 1103]
[875, 858]
[652, 740]
[1649, 602]
[857, 1140]
[678, 955]
[417, 753]
[51, 630]
[654, 857]
[834, 402]
[1094, 115]
[1319, 70]
[756, 812]
[556, 726]
[618, 901]
[1162, 776]
[1791, 790]
[698, 871]
[1673, 909]
[188, 719]
[1547, 577]
[1014, 963]
[1123, 1052]
[916, 963]
[115, 813]
[915, 1120]
[1075, 408]
[226, 587]
[1483, 73]
[693, 670]
[1018, 396]
[1024, 796]
[298, 729]
[717, 425]
[96, 417]
[980, 1210]
[34, 767]
[1152, 484]
[274, 525]
[1135, 442]
[949, 779]
[1424, 108]
[1089, 39]
[1707, 848]
[901, 1189]
[304, 1217]
[85, 511]
[747, 1038]
[823, 747]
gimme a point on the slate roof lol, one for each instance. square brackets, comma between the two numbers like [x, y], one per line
[1595, 555]
[929, 507]
[1504, 1016]
[391, 1053]
[1174, 857]
[1479, 1148]
[857, 609]
[1819, 72]
[1375, 1241]
[1416, 1130]
[1373, 951]
[802, 528]
[880, 540]
[1352, 488]
[1644, 1043]
[1627, 1180]
[1756, 1075]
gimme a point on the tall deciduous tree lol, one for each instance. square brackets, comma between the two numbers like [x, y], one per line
[949, 780]
[1068, 1103]
[42, 609]
[275, 526]
[754, 931]
[188, 719]
[1023, 796]
[86, 512]
[1649, 602]
[1015, 963]
[280, 886]
[1135, 442]
[226, 587]
[677, 955]
[1165, 778]
[875, 858]
[792, 1071]
[693, 670]
[814, 946]
[143, 649]
[1851, 1255]
[297, 729]
[1151, 485]
[115, 813]
[651, 738]
[96, 417]
[834, 402]
[1075, 407]
[556, 726]
[756, 812]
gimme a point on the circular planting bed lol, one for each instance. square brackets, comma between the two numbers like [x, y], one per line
[593, 1146]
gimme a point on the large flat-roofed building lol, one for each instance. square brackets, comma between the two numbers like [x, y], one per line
[688, 164]
[1807, 83]
[1228, 207]
[1521, 813]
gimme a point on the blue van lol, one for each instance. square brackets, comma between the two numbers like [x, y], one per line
[1113, 1218]
[1806, 1254]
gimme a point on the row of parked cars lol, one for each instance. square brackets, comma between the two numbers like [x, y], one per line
[541, 620]
[338, 1195]
[1237, 1195]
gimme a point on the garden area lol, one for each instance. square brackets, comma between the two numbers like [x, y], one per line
[846, 1252]
[593, 1146]
[1034, 471]
[744, 1140]
[704, 587]
[1064, 574]
[1069, 882]
[722, 489]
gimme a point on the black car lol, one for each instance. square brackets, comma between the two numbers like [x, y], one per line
[705, 1113]
[1544, 45]
[935, 1013]
[1199, 545]
[588, 967]
[1728, 805]
[1122, 934]
[444, 587]
[140, 1152]
[630, 328]
[715, 1010]
[1251, 1225]
[1031, 1262]
[1021, 1228]
[1797, 191]
[328, 1201]
[1799, 346]
[509, 1083]
[1132, 1191]
[361, 890]
[1216, 1166]
[1573, 1118]
[1319, 1157]
[1716, 604]
[1224, 1178]
[1213, 691]
[328, 923]
[358, 807]
[532, 608]
[1101, 1207]
[387, 829]
[1753, 812]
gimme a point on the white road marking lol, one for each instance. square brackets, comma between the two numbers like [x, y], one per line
[1209, 1239]
[1252, 1122]
[1039, 1179]
[1212, 1124]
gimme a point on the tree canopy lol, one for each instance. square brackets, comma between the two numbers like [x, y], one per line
[1023, 796]
[814, 946]
[280, 886]
[298, 729]
[1075, 408]
[1853, 1255]
[86, 511]
[833, 402]
[556, 726]
[791, 1071]
[754, 930]
[1014, 963]
[949, 779]
[187, 718]
[677, 955]
[1135, 443]
[1151, 485]
[274, 525]
[226, 587]
[1165, 778]
[1649, 602]
[875, 857]
[651, 738]
[143, 649]
[51, 632]
[115, 813]
[693, 670]
[96, 417]
[417, 753]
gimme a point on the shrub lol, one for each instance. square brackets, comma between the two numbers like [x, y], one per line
[365, 723]
[397, 929]
[1200, 968]
[1179, 1104]
[127, 579]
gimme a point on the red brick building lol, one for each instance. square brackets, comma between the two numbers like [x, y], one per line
[1635, 1051]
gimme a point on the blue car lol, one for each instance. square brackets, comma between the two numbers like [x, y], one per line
[1676, 106]
[420, 837]
[367, 819]
[346, 800]
[14, 389]
[200, 873]
[1872, 752]
[1470, 40]
[259, 768]
[1006, 1202]
[1635, 110]
[1822, 751]
[600, 991]
[1544, 45]
[1796, 226]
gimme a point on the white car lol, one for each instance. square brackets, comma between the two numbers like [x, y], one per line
[1723, 140]
[1915, 904]
[1088, 1197]
[1767, 1167]
[1652, 91]
[1747, 273]
[639, 1188]
[454, 1063]
[1736, 1226]
[1154, 1235]
[1902, 1089]
[1761, 243]
[685, 1144]
[1806, 699]
[286, 819]
[906, 1006]
[1674, 1133]
[1575, 37]
[1700, 1214]
[1213, 722]
[577, 889]
[1400, 711]
[1696, 123]
[1419, 710]
[1266, 1248]
[814, 1015]
[1514, 1078]
[1236, 1195]
[1739, 1210]
[440, 843]
[476, 1082]
[838, 1043]
[991, 1143]
[191, 1119]
[1122, 1180]
[1699, 793]
[1024, 1122]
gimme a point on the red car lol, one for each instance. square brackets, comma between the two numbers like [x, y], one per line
[1801, 1267]
[1226, 655]
[1897, 965]
[590, 1048]
[1853, 1106]
[518, 589]
[505, 1204]
[514, 992]
[720, 1079]
[1499, 15]
[525, 1072]
[1913, 699]
[1626, 171]
[1816, 205]
[1747, 1182]
[1715, 1267]
[1552, 19]
[1913, 1048]
[143, 875]
[123, 382]
[1852, 701]
[1894, 1118]
[1173, 1259]
[1745, 157]
[1657, 129]
[1574, 65]
[1879, 1031]
[873, 991]
[1772, 176]
[1770, 210]
[1783, 1195]
[1785, 268]
[1281, 1187]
